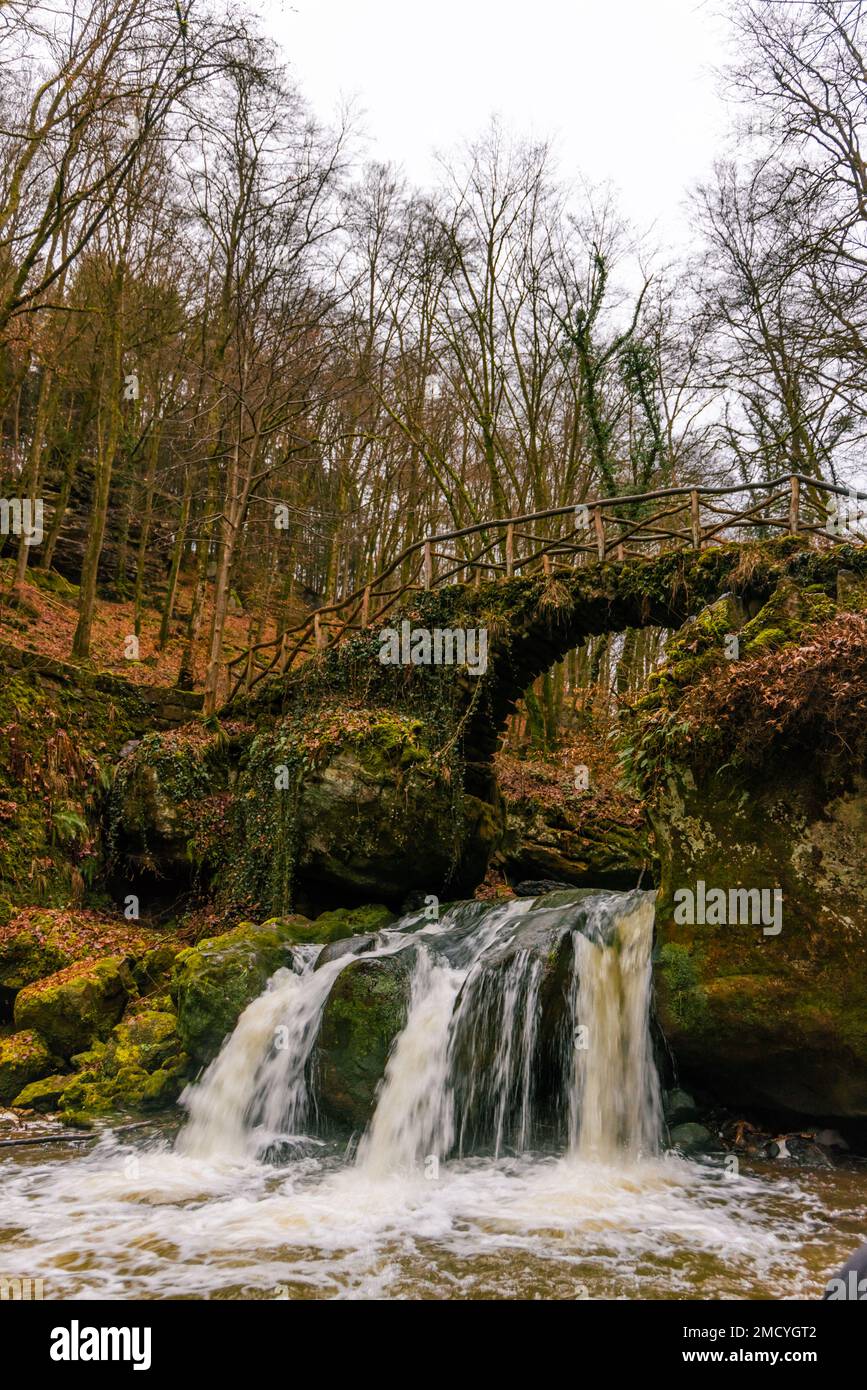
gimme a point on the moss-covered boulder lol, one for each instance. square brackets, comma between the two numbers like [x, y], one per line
[329, 802]
[142, 1067]
[44, 1095]
[170, 802]
[757, 775]
[215, 980]
[77, 1005]
[37, 942]
[364, 1013]
[24, 1057]
[342, 922]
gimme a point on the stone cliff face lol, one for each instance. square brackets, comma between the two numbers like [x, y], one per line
[757, 769]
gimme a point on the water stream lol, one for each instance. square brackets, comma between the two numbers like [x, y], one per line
[516, 1147]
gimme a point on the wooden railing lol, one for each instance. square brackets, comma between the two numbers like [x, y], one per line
[606, 528]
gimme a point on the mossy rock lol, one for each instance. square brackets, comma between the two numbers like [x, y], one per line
[777, 1021]
[44, 1095]
[215, 980]
[350, 921]
[24, 1057]
[38, 942]
[142, 1067]
[364, 1013]
[77, 1005]
[788, 613]
[131, 1090]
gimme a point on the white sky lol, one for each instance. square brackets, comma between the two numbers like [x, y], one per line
[624, 87]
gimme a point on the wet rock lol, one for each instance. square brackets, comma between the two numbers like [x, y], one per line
[534, 888]
[680, 1107]
[364, 1013]
[215, 980]
[349, 946]
[693, 1139]
[24, 1057]
[77, 1005]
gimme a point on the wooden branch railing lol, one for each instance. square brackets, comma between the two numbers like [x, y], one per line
[617, 528]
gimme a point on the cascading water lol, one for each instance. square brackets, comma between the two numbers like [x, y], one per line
[499, 1159]
[522, 1020]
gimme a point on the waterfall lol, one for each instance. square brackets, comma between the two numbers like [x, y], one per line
[614, 1100]
[524, 1021]
[256, 1089]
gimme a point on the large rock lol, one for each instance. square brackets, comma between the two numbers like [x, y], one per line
[24, 1057]
[37, 942]
[141, 1067]
[77, 1005]
[582, 842]
[327, 805]
[364, 1013]
[761, 769]
[215, 980]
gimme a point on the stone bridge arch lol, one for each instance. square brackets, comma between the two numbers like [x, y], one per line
[534, 623]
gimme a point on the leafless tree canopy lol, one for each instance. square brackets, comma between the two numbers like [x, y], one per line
[211, 316]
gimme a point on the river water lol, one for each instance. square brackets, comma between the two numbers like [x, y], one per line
[472, 1180]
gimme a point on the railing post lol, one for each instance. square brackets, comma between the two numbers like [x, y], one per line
[794, 504]
[546, 563]
[510, 550]
[695, 510]
[600, 532]
[365, 606]
[428, 565]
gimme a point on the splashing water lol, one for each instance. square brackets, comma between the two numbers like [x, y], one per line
[524, 1067]
[614, 1103]
[464, 1065]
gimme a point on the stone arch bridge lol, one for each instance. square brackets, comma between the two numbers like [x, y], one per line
[542, 584]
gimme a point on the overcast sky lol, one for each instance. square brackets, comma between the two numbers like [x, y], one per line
[624, 87]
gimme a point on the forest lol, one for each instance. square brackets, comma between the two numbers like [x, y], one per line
[433, 684]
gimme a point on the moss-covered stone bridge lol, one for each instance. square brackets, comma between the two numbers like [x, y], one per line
[532, 623]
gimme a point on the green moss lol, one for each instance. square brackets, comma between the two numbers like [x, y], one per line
[682, 995]
[365, 1011]
[45, 1094]
[76, 1005]
[214, 981]
[348, 921]
[142, 1067]
[24, 1057]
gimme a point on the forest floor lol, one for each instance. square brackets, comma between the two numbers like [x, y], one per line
[44, 621]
